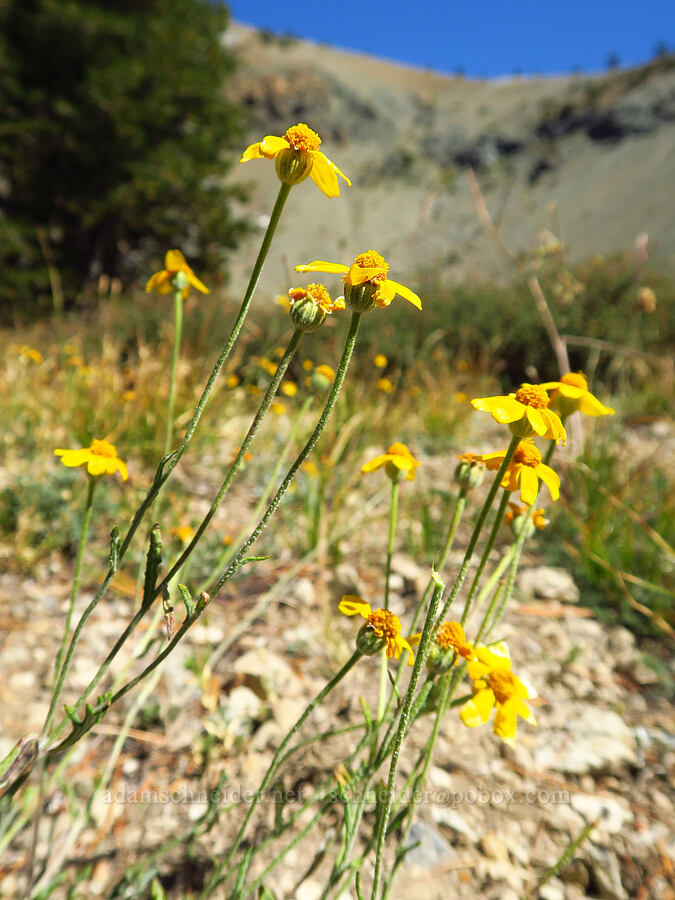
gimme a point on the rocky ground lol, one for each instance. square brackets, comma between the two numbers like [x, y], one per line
[493, 818]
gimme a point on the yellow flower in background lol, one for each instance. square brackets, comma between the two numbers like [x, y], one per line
[26, 352]
[381, 624]
[398, 459]
[526, 412]
[326, 371]
[174, 262]
[232, 381]
[494, 684]
[100, 458]
[296, 155]
[571, 394]
[267, 365]
[319, 293]
[289, 388]
[515, 511]
[308, 365]
[278, 408]
[283, 301]
[525, 470]
[366, 281]
[450, 636]
[380, 361]
[384, 385]
[183, 533]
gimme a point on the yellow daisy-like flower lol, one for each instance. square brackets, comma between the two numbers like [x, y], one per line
[289, 388]
[515, 510]
[174, 262]
[318, 293]
[449, 637]
[366, 282]
[494, 684]
[571, 394]
[524, 471]
[382, 624]
[100, 458]
[526, 412]
[398, 459]
[380, 361]
[183, 532]
[384, 385]
[296, 155]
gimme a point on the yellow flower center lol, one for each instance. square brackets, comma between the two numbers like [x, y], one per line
[386, 624]
[527, 454]
[576, 379]
[371, 259]
[103, 448]
[301, 137]
[451, 636]
[532, 395]
[502, 683]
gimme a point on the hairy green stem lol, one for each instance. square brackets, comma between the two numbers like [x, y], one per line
[496, 525]
[239, 558]
[420, 659]
[177, 330]
[478, 527]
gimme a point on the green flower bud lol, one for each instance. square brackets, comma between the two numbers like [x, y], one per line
[306, 314]
[293, 166]
[359, 297]
[470, 471]
[369, 643]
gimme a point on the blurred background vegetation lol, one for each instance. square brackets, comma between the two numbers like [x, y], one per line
[114, 140]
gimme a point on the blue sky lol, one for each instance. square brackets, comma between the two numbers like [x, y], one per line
[480, 37]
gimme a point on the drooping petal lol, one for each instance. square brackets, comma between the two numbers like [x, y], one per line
[536, 420]
[529, 485]
[496, 656]
[122, 467]
[493, 460]
[591, 406]
[550, 478]
[506, 720]
[159, 282]
[320, 265]
[402, 644]
[567, 390]
[384, 294]
[72, 458]
[556, 429]
[271, 145]
[251, 152]
[196, 283]
[376, 463]
[99, 465]
[503, 409]
[351, 605]
[405, 292]
[361, 274]
[476, 711]
[174, 261]
[414, 639]
[323, 175]
[330, 162]
[511, 479]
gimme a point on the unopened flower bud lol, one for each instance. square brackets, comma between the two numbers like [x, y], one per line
[368, 642]
[179, 281]
[306, 314]
[470, 471]
[359, 297]
[293, 166]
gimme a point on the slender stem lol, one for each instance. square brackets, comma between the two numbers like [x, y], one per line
[278, 756]
[420, 658]
[494, 487]
[61, 668]
[501, 509]
[169, 463]
[239, 458]
[393, 516]
[503, 564]
[238, 560]
[177, 329]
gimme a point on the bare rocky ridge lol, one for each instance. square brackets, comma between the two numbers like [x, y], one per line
[589, 156]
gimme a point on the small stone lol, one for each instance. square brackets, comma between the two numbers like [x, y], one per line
[413, 577]
[576, 872]
[450, 818]
[552, 890]
[610, 814]
[493, 847]
[548, 583]
[591, 740]
[303, 591]
[432, 848]
[606, 874]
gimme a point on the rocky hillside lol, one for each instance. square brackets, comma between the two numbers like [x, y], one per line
[590, 157]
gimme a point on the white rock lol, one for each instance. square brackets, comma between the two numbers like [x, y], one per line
[591, 739]
[548, 583]
[610, 813]
[273, 671]
[303, 591]
[450, 818]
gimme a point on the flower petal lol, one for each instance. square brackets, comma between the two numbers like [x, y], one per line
[591, 406]
[323, 175]
[529, 485]
[157, 281]
[251, 152]
[271, 145]
[174, 261]
[556, 429]
[506, 721]
[550, 478]
[536, 420]
[376, 463]
[503, 409]
[405, 292]
[332, 165]
[351, 605]
[477, 710]
[320, 265]
[196, 283]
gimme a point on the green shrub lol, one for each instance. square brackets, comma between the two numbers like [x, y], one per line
[114, 127]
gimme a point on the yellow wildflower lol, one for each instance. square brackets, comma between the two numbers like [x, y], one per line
[232, 381]
[366, 281]
[326, 371]
[380, 361]
[319, 293]
[283, 301]
[289, 388]
[310, 306]
[183, 533]
[26, 352]
[381, 624]
[647, 300]
[267, 365]
[515, 511]
[494, 684]
[571, 394]
[384, 385]
[100, 458]
[308, 365]
[174, 262]
[278, 408]
[525, 469]
[449, 638]
[296, 155]
[526, 412]
[397, 459]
